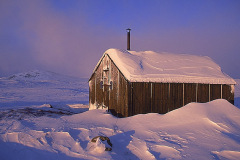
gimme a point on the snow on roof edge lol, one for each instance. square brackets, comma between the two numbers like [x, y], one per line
[178, 78]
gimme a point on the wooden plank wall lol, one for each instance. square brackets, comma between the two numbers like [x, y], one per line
[113, 102]
[176, 96]
[165, 97]
[160, 98]
[99, 90]
[215, 91]
[227, 93]
[203, 93]
[141, 98]
[156, 97]
[123, 107]
[119, 94]
[189, 93]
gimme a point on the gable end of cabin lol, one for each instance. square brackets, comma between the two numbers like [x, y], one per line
[108, 88]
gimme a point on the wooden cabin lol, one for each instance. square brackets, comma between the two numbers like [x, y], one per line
[130, 82]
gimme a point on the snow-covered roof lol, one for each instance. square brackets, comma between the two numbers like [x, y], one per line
[149, 66]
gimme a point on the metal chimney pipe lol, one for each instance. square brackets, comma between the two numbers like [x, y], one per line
[128, 38]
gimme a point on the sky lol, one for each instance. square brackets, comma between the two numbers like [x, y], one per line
[70, 36]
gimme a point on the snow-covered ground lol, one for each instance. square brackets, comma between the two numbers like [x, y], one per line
[45, 116]
[41, 87]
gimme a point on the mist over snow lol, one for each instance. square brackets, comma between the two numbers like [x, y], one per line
[44, 115]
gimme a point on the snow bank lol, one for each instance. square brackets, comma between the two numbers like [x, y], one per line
[234, 155]
[149, 66]
[195, 131]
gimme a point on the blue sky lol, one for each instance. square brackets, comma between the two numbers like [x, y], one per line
[69, 36]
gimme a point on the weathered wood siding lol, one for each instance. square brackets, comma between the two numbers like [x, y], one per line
[115, 96]
[160, 97]
[141, 97]
[156, 97]
[203, 93]
[189, 93]
[92, 90]
[215, 91]
[176, 96]
[99, 91]
[123, 97]
[228, 93]
[165, 97]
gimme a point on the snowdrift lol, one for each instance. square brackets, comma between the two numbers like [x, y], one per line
[195, 131]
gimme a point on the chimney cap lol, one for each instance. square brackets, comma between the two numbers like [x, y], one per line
[128, 30]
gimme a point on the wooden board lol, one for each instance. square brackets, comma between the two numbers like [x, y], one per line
[141, 93]
[203, 93]
[215, 91]
[227, 93]
[176, 96]
[189, 93]
[160, 98]
[99, 90]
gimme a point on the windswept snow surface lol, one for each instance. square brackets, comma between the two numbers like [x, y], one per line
[195, 131]
[149, 66]
[41, 87]
[41, 117]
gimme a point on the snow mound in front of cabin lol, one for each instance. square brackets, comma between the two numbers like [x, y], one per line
[195, 131]
[149, 66]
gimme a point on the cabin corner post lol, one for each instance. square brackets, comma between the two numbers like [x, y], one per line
[183, 94]
[95, 89]
[169, 97]
[197, 92]
[151, 97]
[209, 92]
[233, 92]
[89, 93]
[131, 99]
[221, 92]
